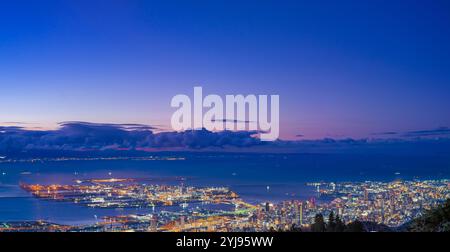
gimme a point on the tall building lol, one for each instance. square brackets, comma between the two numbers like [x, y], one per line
[300, 214]
[340, 211]
[153, 224]
[366, 195]
[267, 206]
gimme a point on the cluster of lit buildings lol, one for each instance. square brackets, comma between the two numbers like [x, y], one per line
[216, 209]
[129, 193]
[33, 226]
[389, 203]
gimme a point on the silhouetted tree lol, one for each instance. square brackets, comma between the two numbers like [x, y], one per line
[319, 224]
[340, 225]
[434, 220]
[295, 228]
[355, 226]
[331, 226]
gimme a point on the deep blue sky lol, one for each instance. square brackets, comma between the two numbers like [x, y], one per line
[342, 68]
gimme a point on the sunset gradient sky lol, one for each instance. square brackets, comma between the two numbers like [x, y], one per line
[341, 68]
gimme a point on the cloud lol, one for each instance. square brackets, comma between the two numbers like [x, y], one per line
[5, 129]
[196, 139]
[94, 137]
[76, 136]
[438, 132]
[15, 123]
[230, 120]
[386, 133]
[426, 133]
[381, 146]
[123, 126]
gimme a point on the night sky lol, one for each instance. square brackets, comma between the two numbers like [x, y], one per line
[341, 68]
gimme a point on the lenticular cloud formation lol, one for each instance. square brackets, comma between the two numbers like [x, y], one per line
[92, 136]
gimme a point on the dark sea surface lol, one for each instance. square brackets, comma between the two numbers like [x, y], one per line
[255, 177]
